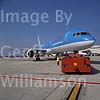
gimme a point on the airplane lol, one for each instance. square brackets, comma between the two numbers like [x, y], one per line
[73, 40]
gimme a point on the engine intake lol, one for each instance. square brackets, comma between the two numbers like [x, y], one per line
[29, 53]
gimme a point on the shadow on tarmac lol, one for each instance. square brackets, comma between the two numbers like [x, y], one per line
[94, 71]
[95, 62]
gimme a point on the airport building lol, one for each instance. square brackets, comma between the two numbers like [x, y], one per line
[95, 50]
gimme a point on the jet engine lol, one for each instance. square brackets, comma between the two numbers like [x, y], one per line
[29, 53]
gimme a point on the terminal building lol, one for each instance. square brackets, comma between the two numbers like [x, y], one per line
[94, 50]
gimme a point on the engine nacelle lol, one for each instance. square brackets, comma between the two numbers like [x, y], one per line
[29, 53]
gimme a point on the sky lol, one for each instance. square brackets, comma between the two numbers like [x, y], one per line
[83, 14]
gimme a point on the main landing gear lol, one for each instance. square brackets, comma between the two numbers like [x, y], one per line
[37, 56]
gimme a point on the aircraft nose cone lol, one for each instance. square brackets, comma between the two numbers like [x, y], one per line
[89, 42]
[92, 42]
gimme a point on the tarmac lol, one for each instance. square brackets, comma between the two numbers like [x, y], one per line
[25, 79]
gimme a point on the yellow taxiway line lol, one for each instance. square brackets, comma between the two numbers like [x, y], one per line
[75, 92]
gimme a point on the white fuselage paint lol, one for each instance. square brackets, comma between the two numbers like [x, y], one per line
[71, 47]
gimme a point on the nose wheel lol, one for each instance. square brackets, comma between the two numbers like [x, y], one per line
[37, 59]
[76, 52]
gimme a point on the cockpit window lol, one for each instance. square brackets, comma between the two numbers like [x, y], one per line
[76, 34]
[80, 33]
[84, 33]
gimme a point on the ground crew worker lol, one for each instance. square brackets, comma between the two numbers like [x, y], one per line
[58, 60]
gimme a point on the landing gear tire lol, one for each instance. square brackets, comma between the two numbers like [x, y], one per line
[37, 59]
